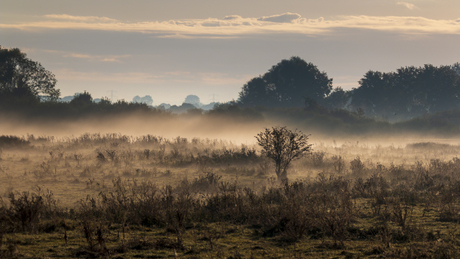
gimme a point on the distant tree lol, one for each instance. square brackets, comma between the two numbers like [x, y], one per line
[20, 76]
[286, 84]
[146, 99]
[408, 92]
[232, 110]
[66, 99]
[337, 99]
[282, 146]
[209, 106]
[18, 98]
[182, 109]
[193, 99]
[360, 113]
[164, 106]
[104, 101]
[438, 89]
[137, 99]
[257, 93]
[456, 68]
[82, 99]
[371, 92]
[313, 106]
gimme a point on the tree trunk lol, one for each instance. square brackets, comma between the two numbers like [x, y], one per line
[281, 172]
[278, 170]
[283, 177]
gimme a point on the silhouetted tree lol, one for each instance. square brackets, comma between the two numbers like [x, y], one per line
[456, 67]
[408, 92]
[314, 106]
[20, 76]
[232, 110]
[18, 98]
[282, 146]
[286, 84]
[337, 99]
[371, 92]
[82, 99]
[257, 93]
[182, 109]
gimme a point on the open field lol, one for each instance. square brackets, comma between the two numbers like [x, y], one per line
[118, 196]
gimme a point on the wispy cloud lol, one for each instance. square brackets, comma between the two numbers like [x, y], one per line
[102, 58]
[281, 18]
[237, 26]
[88, 57]
[80, 18]
[407, 5]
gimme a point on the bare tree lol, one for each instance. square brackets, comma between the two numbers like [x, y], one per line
[282, 146]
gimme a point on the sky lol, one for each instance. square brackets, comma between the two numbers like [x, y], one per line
[169, 49]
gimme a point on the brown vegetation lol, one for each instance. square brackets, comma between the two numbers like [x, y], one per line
[121, 196]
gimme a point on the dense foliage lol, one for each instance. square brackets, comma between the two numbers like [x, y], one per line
[286, 84]
[404, 94]
[23, 78]
[408, 92]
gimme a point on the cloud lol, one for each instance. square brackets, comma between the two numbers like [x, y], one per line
[281, 18]
[407, 5]
[92, 58]
[102, 58]
[232, 17]
[80, 18]
[110, 60]
[237, 26]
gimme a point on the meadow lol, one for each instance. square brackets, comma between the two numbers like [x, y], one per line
[121, 196]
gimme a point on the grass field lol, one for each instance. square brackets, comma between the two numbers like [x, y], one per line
[117, 196]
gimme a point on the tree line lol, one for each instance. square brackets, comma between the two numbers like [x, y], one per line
[406, 93]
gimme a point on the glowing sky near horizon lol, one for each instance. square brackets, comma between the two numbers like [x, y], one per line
[170, 49]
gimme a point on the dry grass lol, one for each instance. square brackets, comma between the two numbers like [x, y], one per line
[122, 197]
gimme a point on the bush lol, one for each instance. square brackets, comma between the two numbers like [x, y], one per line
[25, 210]
[13, 142]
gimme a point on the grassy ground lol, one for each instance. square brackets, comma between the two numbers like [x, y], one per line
[350, 201]
[219, 241]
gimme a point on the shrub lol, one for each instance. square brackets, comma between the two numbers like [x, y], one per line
[25, 210]
[13, 142]
[282, 146]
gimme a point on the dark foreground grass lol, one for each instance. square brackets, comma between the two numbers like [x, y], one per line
[214, 241]
[381, 226]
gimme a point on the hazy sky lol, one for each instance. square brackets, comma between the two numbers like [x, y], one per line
[172, 48]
